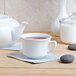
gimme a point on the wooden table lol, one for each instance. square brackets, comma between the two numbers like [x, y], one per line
[13, 67]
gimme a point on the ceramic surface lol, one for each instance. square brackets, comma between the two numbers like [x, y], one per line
[10, 30]
[37, 48]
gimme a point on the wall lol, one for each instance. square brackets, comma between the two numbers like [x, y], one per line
[39, 13]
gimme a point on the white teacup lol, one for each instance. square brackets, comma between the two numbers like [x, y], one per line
[36, 45]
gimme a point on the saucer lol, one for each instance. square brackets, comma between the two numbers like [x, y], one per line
[22, 57]
[17, 46]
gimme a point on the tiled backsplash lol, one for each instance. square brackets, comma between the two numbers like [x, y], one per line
[39, 13]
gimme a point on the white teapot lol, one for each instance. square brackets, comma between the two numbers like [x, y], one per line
[10, 30]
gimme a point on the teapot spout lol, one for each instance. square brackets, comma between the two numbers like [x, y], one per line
[16, 33]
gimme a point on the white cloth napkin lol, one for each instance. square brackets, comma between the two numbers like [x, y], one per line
[17, 46]
[49, 57]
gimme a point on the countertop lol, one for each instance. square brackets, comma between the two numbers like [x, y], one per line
[13, 67]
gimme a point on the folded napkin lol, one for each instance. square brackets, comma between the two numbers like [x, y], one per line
[49, 57]
[17, 46]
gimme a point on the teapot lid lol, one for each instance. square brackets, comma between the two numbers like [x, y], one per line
[5, 17]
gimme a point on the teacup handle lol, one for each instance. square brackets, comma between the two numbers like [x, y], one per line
[55, 44]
